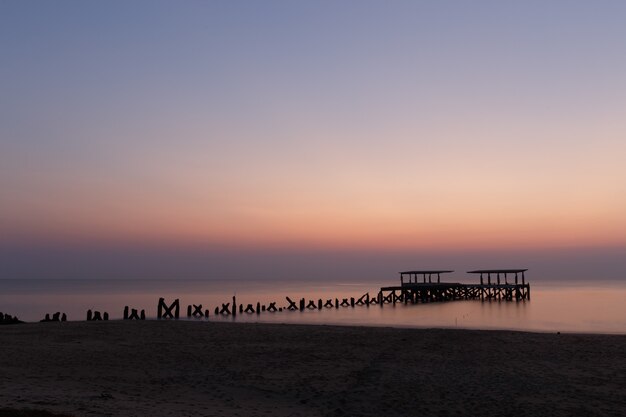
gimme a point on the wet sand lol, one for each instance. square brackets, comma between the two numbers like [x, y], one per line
[161, 368]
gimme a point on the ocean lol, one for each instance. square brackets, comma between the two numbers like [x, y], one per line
[554, 306]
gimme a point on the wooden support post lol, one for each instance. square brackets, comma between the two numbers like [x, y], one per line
[134, 316]
[197, 311]
[319, 304]
[167, 310]
[126, 313]
[234, 306]
[352, 301]
[89, 315]
[302, 304]
[292, 304]
[336, 303]
[361, 301]
[225, 309]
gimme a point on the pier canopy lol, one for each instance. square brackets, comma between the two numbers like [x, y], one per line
[412, 276]
[498, 273]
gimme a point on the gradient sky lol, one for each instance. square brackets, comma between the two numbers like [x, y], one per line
[263, 129]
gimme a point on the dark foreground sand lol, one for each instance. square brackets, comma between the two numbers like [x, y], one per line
[214, 369]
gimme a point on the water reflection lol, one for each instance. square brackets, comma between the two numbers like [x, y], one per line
[552, 308]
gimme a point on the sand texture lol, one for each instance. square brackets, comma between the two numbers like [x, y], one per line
[165, 368]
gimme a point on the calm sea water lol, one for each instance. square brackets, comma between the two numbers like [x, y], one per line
[554, 307]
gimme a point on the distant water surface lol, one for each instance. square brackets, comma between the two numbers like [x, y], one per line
[600, 308]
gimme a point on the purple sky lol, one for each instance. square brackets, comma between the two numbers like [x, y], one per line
[220, 139]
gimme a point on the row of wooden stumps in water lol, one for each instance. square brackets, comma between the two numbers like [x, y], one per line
[387, 295]
[172, 311]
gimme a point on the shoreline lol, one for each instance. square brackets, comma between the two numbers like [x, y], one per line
[330, 324]
[174, 368]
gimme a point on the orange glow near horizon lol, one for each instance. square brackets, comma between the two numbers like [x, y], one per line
[315, 127]
[349, 225]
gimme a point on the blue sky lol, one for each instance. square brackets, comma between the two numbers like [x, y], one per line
[321, 127]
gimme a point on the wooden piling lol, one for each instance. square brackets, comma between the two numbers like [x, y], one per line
[164, 311]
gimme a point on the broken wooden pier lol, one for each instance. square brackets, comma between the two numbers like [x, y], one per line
[426, 286]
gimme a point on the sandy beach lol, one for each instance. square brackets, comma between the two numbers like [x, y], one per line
[165, 368]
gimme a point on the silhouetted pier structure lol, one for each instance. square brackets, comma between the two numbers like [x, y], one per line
[414, 287]
[420, 286]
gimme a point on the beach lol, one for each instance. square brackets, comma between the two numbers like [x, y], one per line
[187, 368]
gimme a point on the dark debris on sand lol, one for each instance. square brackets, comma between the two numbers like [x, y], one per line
[9, 319]
[27, 412]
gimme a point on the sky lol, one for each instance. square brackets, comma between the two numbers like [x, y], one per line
[230, 138]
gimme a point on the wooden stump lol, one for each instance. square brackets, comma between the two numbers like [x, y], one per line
[164, 311]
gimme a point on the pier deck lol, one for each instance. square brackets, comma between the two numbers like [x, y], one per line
[413, 291]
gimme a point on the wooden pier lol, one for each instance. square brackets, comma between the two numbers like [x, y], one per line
[419, 286]
[422, 286]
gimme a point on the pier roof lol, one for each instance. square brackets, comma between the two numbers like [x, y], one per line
[496, 271]
[425, 272]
